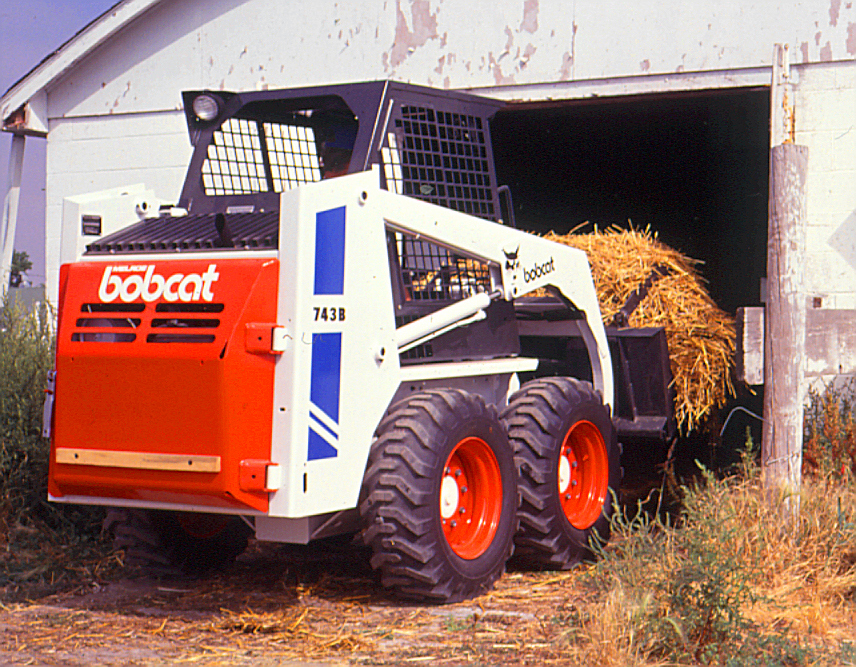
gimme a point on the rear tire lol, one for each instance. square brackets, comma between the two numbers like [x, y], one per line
[569, 467]
[160, 543]
[439, 497]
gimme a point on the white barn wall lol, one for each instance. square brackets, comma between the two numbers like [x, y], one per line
[826, 122]
[95, 153]
[239, 44]
[115, 117]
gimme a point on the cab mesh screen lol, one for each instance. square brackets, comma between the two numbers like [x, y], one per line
[246, 156]
[439, 157]
[235, 164]
[431, 273]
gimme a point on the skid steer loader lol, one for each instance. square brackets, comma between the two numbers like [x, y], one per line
[329, 334]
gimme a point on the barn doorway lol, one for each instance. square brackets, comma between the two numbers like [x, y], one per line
[693, 166]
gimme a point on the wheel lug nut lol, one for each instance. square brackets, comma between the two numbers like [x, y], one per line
[463, 510]
[574, 464]
[567, 496]
[573, 482]
[448, 471]
[463, 489]
[454, 523]
[458, 472]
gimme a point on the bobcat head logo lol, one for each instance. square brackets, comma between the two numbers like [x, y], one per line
[511, 261]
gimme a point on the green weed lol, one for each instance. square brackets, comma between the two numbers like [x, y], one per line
[39, 541]
[725, 583]
[26, 345]
[830, 432]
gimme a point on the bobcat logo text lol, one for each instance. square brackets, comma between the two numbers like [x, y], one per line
[538, 270]
[150, 286]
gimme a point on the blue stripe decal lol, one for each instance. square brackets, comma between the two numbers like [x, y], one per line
[324, 386]
[317, 422]
[319, 448]
[330, 251]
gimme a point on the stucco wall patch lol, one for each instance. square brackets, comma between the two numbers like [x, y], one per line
[408, 38]
[566, 66]
[834, 12]
[530, 16]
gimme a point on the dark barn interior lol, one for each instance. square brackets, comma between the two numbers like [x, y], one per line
[692, 166]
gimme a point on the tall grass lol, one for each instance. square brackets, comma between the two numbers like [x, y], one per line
[728, 582]
[37, 538]
[26, 344]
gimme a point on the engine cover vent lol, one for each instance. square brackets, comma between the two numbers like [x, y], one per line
[250, 231]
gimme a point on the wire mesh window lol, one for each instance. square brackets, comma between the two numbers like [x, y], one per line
[246, 156]
[440, 157]
[432, 273]
[391, 159]
[293, 155]
[235, 164]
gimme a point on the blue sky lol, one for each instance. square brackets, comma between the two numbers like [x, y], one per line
[30, 30]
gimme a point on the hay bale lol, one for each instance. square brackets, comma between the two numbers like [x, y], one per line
[701, 337]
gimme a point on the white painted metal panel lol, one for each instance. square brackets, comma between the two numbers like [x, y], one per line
[333, 384]
[166, 181]
[114, 209]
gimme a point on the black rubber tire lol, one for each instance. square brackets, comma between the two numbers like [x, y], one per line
[400, 499]
[164, 544]
[537, 419]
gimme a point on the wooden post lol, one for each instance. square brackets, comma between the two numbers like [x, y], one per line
[782, 125]
[10, 212]
[784, 349]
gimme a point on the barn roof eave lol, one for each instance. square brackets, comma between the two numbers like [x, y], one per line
[70, 53]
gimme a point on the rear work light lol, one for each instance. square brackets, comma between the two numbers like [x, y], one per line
[206, 108]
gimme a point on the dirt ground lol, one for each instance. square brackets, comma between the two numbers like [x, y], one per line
[315, 605]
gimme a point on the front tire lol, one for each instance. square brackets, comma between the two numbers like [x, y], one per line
[568, 459]
[439, 498]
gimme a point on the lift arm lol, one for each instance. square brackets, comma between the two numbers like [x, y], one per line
[524, 263]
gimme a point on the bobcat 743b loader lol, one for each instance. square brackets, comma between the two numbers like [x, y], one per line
[331, 335]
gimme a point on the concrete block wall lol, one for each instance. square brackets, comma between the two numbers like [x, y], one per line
[825, 116]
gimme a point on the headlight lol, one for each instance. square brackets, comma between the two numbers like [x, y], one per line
[206, 108]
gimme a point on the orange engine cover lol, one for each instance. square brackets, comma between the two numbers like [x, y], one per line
[159, 394]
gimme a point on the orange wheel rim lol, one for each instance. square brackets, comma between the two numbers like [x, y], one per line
[470, 498]
[583, 475]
